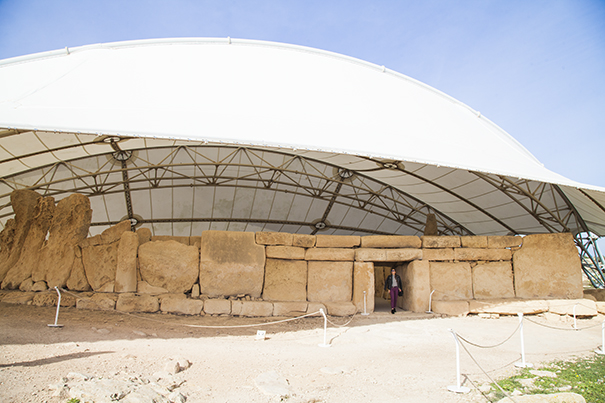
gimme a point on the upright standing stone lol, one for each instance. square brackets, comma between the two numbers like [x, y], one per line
[69, 227]
[30, 254]
[231, 263]
[285, 280]
[24, 204]
[493, 280]
[363, 280]
[548, 266]
[451, 281]
[7, 238]
[431, 228]
[416, 286]
[169, 264]
[126, 270]
[330, 281]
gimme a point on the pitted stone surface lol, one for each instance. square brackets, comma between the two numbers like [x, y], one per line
[273, 238]
[68, 228]
[502, 242]
[169, 264]
[302, 240]
[126, 270]
[137, 303]
[330, 281]
[390, 241]
[416, 286]
[493, 280]
[100, 262]
[231, 263]
[333, 254]
[363, 280]
[440, 241]
[337, 241]
[548, 266]
[285, 280]
[452, 281]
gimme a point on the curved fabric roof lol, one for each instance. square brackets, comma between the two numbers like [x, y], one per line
[183, 135]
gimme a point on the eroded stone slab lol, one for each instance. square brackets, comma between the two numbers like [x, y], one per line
[273, 238]
[475, 242]
[452, 281]
[446, 254]
[217, 306]
[470, 254]
[126, 269]
[285, 252]
[137, 303]
[363, 280]
[508, 306]
[288, 308]
[231, 263]
[416, 286]
[285, 280]
[169, 264]
[503, 242]
[337, 241]
[341, 308]
[390, 241]
[493, 280]
[581, 307]
[440, 241]
[252, 308]
[181, 305]
[302, 240]
[548, 266]
[333, 254]
[451, 308]
[330, 281]
[98, 302]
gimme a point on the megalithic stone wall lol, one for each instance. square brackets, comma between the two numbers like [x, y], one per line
[272, 273]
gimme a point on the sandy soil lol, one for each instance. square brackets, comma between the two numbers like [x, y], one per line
[376, 358]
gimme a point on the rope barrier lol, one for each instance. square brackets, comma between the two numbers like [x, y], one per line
[199, 326]
[561, 328]
[493, 346]
[334, 324]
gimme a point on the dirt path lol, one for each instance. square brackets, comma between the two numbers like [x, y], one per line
[376, 358]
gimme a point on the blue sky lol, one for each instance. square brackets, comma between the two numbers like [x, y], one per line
[535, 68]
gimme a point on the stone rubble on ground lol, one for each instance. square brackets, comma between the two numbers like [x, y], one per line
[161, 387]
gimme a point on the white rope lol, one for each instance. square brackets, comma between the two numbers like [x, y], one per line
[493, 346]
[560, 328]
[334, 324]
[198, 326]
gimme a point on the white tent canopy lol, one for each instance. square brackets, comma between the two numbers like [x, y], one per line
[183, 135]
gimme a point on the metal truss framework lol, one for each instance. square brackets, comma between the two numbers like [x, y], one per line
[245, 167]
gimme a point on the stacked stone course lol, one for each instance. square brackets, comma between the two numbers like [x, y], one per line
[271, 273]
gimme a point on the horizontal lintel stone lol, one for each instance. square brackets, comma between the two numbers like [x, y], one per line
[285, 252]
[337, 241]
[501, 242]
[473, 241]
[390, 241]
[438, 254]
[333, 254]
[440, 241]
[303, 240]
[471, 254]
[273, 238]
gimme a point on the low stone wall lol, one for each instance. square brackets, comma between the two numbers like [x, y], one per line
[271, 273]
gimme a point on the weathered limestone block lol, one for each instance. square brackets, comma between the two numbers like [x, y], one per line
[341, 308]
[169, 264]
[180, 305]
[493, 280]
[285, 280]
[26, 285]
[107, 287]
[100, 262]
[431, 228]
[302, 240]
[34, 239]
[330, 281]
[508, 306]
[285, 252]
[98, 302]
[51, 298]
[231, 263]
[548, 265]
[416, 286]
[370, 255]
[195, 291]
[390, 241]
[7, 238]
[333, 254]
[217, 306]
[403, 255]
[438, 254]
[598, 294]
[314, 307]
[337, 241]
[440, 241]
[68, 228]
[503, 242]
[137, 303]
[451, 308]
[452, 281]
[600, 307]
[39, 286]
[19, 298]
[143, 287]
[363, 280]
[77, 280]
[471, 254]
[163, 238]
[126, 269]
[289, 308]
[144, 235]
[273, 238]
[475, 242]
[24, 205]
[583, 307]
[252, 308]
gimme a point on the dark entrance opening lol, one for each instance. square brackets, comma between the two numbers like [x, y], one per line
[382, 298]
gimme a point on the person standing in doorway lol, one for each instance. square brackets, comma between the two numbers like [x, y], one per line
[393, 284]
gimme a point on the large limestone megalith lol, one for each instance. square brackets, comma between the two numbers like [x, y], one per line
[24, 203]
[100, 256]
[169, 264]
[231, 263]
[30, 254]
[548, 266]
[69, 227]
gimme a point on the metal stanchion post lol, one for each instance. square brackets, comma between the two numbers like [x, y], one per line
[575, 324]
[365, 303]
[602, 350]
[458, 388]
[57, 314]
[522, 364]
[325, 343]
[430, 302]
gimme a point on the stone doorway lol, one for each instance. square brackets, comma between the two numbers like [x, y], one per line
[382, 301]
